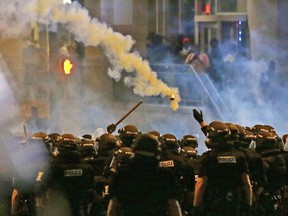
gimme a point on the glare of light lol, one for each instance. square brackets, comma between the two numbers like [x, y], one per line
[240, 22]
[67, 66]
[240, 32]
[67, 1]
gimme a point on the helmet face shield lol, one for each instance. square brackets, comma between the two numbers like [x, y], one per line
[106, 142]
[218, 134]
[127, 134]
[265, 140]
[169, 141]
[147, 145]
[188, 140]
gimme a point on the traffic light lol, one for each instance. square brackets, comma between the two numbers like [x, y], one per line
[67, 66]
[207, 8]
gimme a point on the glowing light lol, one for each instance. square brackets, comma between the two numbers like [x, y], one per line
[67, 66]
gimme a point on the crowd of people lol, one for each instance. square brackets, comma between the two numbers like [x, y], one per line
[228, 65]
[243, 172]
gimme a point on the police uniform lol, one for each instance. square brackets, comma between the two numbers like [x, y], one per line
[143, 189]
[72, 176]
[223, 168]
[102, 172]
[182, 169]
[276, 172]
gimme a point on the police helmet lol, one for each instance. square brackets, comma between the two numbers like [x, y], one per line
[87, 136]
[146, 145]
[243, 141]
[265, 140]
[188, 140]
[169, 141]
[106, 142]
[189, 152]
[241, 131]
[247, 139]
[247, 128]
[87, 147]
[249, 135]
[270, 128]
[157, 134]
[54, 137]
[40, 136]
[217, 134]
[233, 130]
[124, 152]
[67, 142]
[258, 128]
[127, 134]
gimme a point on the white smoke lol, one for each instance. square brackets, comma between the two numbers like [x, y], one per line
[17, 17]
[91, 32]
[117, 48]
[9, 108]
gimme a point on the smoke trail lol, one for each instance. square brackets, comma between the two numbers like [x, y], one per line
[116, 46]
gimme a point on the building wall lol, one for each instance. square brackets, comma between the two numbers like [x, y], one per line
[262, 18]
[99, 86]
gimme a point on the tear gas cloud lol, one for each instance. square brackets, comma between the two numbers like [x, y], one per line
[91, 32]
[243, 94]
[116, 46]
[20, 16]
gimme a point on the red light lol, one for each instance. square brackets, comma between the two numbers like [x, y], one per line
[207, 8]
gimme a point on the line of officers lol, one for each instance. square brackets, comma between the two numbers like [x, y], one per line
[243, 172]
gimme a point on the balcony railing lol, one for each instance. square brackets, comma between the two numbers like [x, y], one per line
[195, 89]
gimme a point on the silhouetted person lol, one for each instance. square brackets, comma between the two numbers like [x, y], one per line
[35, 123]
[216, 63]
[157, 51]
[267, 80]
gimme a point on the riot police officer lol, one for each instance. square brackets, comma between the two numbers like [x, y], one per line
[106, 145]
[188, 145]
[223, 174]
[127, 134]
[241, 140]
[173, 159]
[71, 175]
[123, 153]
[142, 188]
[275, 169]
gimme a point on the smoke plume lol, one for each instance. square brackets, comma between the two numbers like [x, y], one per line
[117, 47]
